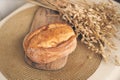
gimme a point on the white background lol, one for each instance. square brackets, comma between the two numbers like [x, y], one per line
[8, 6]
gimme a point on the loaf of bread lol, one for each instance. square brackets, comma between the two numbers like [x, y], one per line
[49, 45]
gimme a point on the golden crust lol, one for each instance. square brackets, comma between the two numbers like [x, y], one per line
[51, 36]
[49, 43]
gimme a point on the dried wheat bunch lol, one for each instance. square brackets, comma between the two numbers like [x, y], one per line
[96, 23]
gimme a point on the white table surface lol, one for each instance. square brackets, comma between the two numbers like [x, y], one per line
[8, 6]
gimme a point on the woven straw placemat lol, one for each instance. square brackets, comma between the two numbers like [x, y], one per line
[13, 66]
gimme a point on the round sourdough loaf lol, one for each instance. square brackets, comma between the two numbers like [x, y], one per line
[48, 45]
